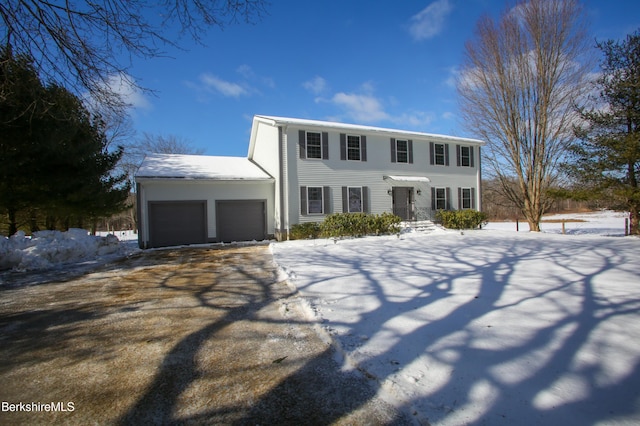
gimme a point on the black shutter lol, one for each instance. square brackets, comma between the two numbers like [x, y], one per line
[433, 198]
[459, 198]
[326, 199]
[393, 150]
[325, 145]
[410, 149]
[431, 153]
[365, 199]
[458, 162]
[363, 148]
[303, 200]
[302, 135]
[471, 156]
[343, 146]
[446, 154]
[345, 200]
[448, 198]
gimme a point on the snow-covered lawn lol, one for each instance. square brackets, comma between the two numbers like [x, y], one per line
[489, 326]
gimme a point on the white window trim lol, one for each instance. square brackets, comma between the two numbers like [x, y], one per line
[462, 199]
[321, 200]
[468, 156]
[359, 147]
[349, 200]
[407, 151]
[306, 139]
[443, 198]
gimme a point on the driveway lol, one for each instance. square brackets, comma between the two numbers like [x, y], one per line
[203, 335]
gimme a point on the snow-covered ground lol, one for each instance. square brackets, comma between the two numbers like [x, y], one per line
[488, 326]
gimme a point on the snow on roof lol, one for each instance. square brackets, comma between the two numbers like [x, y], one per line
[178, 166]
[361, 128]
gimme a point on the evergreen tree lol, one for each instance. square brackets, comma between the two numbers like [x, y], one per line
[55, 163]
[607, 157]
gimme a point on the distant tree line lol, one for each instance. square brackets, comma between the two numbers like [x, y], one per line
[55, 169]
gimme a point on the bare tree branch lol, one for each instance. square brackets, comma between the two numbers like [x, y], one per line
[82, 44]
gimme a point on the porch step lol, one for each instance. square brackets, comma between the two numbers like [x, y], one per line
[418, 226]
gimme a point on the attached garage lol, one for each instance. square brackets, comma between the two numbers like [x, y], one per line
[173, 223]
[241, 220]
[194, 199]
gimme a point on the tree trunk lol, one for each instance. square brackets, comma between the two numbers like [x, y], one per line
[13, 225]
[634, 221]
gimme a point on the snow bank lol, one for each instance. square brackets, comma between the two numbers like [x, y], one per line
[48, 249]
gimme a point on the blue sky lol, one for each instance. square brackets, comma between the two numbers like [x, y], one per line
[383, 63]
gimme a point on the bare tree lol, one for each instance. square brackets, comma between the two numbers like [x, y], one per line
[519, 84]
[83, 45]
[136, 149]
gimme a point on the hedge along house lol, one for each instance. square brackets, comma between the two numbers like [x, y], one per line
[299, 171]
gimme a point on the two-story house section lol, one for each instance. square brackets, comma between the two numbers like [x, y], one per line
[322, 167]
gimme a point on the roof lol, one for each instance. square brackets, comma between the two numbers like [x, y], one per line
[361, 128]
[178, 166]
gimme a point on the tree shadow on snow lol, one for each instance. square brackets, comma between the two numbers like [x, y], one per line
[566, 357]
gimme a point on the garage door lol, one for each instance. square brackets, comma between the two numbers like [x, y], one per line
[241, 220]
[177, 222]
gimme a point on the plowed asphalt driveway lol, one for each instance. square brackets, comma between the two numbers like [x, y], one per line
[204, 335]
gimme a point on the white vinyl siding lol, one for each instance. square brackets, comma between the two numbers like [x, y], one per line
[338, 173]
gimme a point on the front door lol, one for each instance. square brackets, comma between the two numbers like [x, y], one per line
[402, 202]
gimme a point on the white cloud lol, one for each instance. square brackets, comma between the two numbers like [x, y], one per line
[429, 22]
[124, 85]
[226, 88]
[362, 108]
[316, 85]
[247, 72]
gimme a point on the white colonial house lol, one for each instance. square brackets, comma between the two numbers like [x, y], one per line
[299, 171]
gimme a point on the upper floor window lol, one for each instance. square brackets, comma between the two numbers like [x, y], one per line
[353, 147]
[439, 153]
[464, 155]
[401, 151]
[314, 145]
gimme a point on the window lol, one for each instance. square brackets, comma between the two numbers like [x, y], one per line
[465, 156]
[439, 198]
[314, 200]
[465, 198]
[402, 151]
[353, 148]
[439, 153]
[314, 145]
[355, 199]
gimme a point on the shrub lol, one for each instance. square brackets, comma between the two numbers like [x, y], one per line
[461, 219]
[359, 224]
[302, 231]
